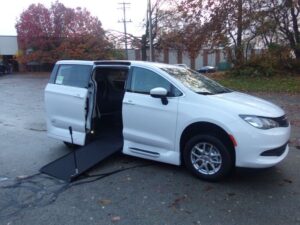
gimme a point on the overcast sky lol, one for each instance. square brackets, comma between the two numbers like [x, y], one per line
[108, 11]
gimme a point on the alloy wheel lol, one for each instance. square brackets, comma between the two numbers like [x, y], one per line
[206, 158]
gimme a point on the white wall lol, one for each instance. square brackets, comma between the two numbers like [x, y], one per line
[211, 59]
[131, 54]
[186, 59]
[199, 61]
[8, 45]
[172, 56]
[159, 56]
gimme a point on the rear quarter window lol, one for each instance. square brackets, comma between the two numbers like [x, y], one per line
[73, 75]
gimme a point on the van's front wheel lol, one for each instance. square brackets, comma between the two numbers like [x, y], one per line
[207, 157]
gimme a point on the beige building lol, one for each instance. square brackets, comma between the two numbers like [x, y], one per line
[8, 45]
[9, 50]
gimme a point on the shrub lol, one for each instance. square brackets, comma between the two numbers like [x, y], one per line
[275, 60]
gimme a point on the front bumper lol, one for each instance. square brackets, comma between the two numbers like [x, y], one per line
[261, 148]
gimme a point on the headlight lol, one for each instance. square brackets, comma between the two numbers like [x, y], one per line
[260, 122]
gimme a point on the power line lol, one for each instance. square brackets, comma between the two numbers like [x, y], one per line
[125, 5]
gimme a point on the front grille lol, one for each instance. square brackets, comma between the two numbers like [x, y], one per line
[282, 121]
[275, 152]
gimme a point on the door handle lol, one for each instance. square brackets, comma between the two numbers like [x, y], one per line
[129, 102]
[78, 96]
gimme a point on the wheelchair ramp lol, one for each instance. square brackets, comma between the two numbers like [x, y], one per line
[86, 157]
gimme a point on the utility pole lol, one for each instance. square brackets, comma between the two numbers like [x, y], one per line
[125, 21]
[150, 30]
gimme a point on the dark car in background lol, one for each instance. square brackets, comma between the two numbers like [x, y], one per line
[5, 67]
[207, 69]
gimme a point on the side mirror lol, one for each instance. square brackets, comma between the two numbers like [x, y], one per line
[161, 93]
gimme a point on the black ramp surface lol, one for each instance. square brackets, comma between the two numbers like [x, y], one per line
[87, 157]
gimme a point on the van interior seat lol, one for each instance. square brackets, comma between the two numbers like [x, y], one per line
[109, 99]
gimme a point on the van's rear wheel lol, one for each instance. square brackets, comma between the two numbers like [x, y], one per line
[207, 157]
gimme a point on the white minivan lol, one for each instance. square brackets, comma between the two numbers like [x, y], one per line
[165, 113]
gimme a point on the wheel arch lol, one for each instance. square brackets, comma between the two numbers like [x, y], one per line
[207, 128]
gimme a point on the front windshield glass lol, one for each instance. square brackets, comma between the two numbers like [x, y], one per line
[196, 81]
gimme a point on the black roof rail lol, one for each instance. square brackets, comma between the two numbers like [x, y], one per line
[112, 62]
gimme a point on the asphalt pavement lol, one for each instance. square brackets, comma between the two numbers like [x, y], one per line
[128, 190]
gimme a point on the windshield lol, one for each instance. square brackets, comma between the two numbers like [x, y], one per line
[196, 81]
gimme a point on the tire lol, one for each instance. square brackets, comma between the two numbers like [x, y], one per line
[208, 158]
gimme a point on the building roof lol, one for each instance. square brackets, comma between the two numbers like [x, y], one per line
[8, 45]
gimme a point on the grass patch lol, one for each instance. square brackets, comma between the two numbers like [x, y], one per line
[288, 84]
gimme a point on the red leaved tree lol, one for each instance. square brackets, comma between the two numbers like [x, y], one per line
[47, 35]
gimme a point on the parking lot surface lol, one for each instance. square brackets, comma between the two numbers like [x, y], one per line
[128, 190]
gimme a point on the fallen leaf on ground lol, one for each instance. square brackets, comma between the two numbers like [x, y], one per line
[208, 188]
[287, 181]
[177, 201]
[104, 202]
[115, 218]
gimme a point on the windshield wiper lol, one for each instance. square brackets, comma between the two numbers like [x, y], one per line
[204, 93]
[224, 91]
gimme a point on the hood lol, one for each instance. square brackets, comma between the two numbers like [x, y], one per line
[249, 105]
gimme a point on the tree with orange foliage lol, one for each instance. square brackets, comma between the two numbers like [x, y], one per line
[47, 35]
